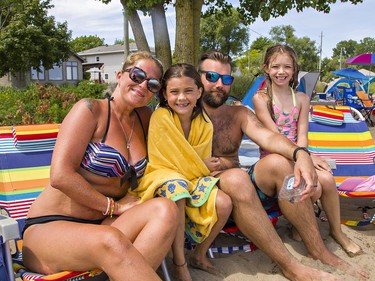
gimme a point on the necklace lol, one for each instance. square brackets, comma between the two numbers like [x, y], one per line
[128, 140]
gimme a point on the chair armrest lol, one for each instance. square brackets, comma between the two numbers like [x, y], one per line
[8, 229]
[331, 162]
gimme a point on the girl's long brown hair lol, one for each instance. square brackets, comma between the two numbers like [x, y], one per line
[270, 53]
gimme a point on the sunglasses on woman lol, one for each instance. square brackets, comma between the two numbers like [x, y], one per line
[212, 76]
[137, 75]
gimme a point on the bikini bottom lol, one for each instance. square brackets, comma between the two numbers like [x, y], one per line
[45, 219]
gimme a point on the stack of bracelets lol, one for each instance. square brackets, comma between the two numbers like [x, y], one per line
[110, 207]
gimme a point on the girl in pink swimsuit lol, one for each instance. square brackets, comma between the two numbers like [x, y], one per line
[283, 110]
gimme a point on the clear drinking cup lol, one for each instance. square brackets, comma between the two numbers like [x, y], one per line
[287, 192]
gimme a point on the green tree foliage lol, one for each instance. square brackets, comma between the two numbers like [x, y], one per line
[225, 32]
[345, 50]
[26, 33]
[304, 47]
[366, 45]
[121, 41]
[266, 9]
[82, 43]
[188, 15]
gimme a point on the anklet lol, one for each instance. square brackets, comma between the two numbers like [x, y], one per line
[180, 265]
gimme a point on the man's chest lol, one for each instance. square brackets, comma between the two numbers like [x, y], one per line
[227, 136]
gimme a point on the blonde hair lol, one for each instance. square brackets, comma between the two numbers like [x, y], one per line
[141, 55]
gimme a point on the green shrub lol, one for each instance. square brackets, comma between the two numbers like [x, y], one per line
[241, 85]
[42, 104]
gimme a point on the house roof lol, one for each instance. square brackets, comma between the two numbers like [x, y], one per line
[107, 49]
[78, 57]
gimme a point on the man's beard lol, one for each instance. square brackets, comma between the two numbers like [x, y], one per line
[214, 100]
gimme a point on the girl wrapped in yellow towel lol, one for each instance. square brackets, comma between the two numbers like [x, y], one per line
[179, 151]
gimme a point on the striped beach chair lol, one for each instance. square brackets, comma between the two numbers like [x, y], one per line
[350, 146]
[25, 157]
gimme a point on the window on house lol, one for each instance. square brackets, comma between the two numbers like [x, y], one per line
[106, 76]
[72, 70]
[56, 72]
[37, 75]
[97, 58]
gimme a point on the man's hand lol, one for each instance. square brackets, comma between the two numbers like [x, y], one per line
[304, 168]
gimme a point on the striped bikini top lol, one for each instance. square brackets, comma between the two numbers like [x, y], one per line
[104, 160]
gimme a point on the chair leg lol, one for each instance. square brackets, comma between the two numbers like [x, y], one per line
[8, 261]
[210, 253]
[165, 271]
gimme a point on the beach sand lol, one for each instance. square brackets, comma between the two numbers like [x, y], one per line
[241, 266]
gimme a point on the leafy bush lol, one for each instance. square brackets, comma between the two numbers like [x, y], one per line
[42, 104]
[241, 85]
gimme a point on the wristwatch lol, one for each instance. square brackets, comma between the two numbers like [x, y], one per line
[298, 149]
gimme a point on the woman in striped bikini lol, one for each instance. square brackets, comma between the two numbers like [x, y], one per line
[82, 214]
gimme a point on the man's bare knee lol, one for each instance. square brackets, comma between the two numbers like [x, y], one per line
[236, 183]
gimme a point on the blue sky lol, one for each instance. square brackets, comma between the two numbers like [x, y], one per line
[344, 22]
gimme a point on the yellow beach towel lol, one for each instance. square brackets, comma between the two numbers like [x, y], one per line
[176, 169]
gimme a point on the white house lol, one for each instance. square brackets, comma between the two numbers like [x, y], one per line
[69, 71]
[105, 61]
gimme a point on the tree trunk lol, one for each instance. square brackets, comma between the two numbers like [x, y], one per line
[161, 35]
[197, 9]
[184, 45]
[126, 29]
[138, 32]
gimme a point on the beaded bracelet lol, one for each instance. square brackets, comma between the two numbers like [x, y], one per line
[112, 208]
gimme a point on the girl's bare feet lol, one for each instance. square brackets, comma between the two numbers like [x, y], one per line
[181, 272]
[350, 248]
[204, 265]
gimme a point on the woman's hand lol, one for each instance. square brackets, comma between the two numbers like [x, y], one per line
[320, 164]
[125, 203]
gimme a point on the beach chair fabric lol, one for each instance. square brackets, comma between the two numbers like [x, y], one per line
[350, 145]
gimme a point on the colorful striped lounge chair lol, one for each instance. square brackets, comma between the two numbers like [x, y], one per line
[349, 145]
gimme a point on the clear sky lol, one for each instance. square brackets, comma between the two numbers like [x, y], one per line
[344, 22]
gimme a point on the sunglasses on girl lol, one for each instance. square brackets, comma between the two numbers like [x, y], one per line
[212, 76]
[137, 75]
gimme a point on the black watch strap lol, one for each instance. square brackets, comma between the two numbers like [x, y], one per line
[298, 149]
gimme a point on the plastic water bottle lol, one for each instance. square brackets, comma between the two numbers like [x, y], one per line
[287, 192]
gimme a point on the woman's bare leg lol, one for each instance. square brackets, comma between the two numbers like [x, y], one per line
[151, 226]
[81, 247]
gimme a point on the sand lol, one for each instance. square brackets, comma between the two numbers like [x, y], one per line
[241, 266]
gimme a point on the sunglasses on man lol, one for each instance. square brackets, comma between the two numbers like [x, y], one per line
[212, 76]
[137, 75]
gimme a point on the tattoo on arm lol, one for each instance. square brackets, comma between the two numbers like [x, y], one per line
[90, 104]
